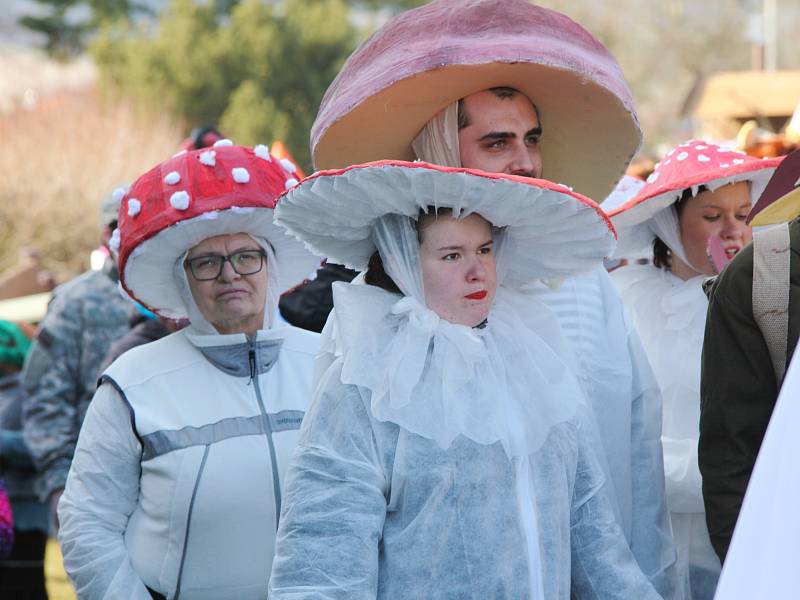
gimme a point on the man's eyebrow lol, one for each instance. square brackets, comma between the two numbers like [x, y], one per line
[497, 135]
[535, 131]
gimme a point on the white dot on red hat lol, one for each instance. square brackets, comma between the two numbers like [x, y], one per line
[288, 165]
[134, 207]
[682, 156]
[179, 200]
[702, 158]
[172, 178]
[653, 177]
[208, 158]
[738, 161]
[240, 175]
[262, 151]
[290, 183]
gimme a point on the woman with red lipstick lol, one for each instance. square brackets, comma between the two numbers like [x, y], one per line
[445, 454]
[691, 214]
[175, 487]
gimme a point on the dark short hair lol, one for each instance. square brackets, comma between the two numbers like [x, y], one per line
[502, 92]
[662, 255]
[376, 274]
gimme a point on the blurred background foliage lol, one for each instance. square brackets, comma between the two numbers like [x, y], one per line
[258, 70]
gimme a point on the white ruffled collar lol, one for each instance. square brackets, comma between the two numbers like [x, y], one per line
[507, 382]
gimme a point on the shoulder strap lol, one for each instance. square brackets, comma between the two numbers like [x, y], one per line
[771, 292]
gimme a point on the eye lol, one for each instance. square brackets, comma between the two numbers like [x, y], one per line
[246, 258]
[451, 257]
[486, 250]
[205, 262]
[497, 145]
[711, 218]
[742, 217]
[533, 140]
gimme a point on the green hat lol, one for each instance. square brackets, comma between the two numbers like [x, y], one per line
[14, 344]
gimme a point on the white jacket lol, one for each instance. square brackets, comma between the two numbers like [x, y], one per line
[175, 484]
[670, 316]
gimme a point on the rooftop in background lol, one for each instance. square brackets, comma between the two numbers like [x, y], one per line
[729, 98]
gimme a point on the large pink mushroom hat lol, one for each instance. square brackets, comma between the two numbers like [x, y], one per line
[425, 59]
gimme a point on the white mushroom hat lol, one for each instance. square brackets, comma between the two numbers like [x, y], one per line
[551, 231]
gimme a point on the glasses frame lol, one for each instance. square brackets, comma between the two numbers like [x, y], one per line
[189, 262]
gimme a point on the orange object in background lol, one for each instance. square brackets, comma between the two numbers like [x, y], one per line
[279, 150]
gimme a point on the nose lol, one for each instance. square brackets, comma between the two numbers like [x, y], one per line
[525, 161]
[228, 272]
[476, 271]
[733, 229]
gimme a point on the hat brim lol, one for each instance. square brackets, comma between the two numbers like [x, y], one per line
[551, 232]
[589, 134]
[631, 218]
[148, 274]
[783, 210]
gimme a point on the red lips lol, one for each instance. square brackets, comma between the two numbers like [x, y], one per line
[480, 295]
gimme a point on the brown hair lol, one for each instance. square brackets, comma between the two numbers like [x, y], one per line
[502, 92]
[662, 255]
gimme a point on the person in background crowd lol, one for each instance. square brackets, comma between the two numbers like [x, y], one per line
[750, 337]
[22, 575]
[146, 327]
[85, 316]
[693, 207]
[445, 453]
[552, 102]
[204, 136]
[175, 489]
[309, 304]
[6, 524]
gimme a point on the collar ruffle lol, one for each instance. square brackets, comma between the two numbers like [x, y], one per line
[508, 382]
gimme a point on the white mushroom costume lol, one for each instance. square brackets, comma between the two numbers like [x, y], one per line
[670, 316]
[174, 490]
[440, 460]
[397, 98]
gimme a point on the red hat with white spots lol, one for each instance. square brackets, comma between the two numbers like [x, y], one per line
[194, 196]
[687, 166]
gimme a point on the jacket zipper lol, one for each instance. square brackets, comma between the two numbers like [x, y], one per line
[276, 484]
[189, 522]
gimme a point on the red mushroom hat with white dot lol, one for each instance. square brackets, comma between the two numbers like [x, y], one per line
[191, 197]
[690, 165]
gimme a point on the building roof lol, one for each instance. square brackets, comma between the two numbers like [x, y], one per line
[744, 95]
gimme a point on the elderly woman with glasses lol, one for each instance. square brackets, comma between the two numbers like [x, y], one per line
[175, 488]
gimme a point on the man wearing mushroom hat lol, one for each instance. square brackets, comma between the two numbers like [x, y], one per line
[175, 489]
[527, 92]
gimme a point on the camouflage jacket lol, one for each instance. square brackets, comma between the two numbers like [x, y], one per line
[84, 318]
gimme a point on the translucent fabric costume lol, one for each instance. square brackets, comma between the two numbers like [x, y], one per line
[441, 461]
[670, 316]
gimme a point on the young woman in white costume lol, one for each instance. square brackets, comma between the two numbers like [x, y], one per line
[445, 454]
[691, 214]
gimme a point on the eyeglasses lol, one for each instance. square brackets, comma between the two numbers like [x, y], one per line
[207, 268]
